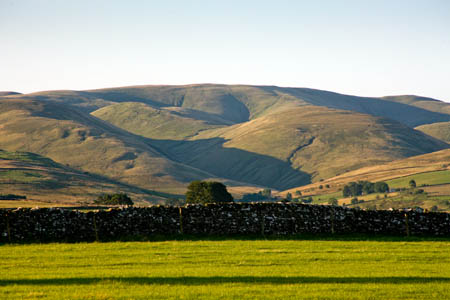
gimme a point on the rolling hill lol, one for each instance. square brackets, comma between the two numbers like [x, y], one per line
[45, 182]
[440, 130]
[77, 139]
[163, 137]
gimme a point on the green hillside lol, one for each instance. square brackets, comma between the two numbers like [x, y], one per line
[238, 103]
[45, 182]
[431, 173]
[79, 140]
[166, 123]
[163, 137]
[296, 146]
[438, 130]
[421, 102]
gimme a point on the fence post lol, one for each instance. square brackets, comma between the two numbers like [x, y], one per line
[407, 224]
[95, 228]
[180, 210]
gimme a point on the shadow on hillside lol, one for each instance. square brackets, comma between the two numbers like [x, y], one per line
[407, 114]
[199, 280]
[211, 156]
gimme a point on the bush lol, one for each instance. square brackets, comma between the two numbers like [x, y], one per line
[307, 200]
[114, 199]
[332, 201]
[207, 192]
[354, 200]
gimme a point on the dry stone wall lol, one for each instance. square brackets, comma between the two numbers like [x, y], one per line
[56, 224]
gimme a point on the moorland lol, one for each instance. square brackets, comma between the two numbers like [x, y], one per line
[66, 147]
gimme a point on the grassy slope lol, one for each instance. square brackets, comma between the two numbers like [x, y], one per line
[430, 169]
[193, 107]
[436, 161]
[238, 103]
[84, 142]
[440, 130]
[237, 269]
[421, 102]
[46, 183]
[174, 123]
[319, 141]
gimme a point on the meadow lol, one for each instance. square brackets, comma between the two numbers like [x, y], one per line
[374, 268]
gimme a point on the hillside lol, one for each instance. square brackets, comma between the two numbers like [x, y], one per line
[163, 137]
[45, 182]
[240, 103]
[297, 146]
[421, 102]
[79, 140]
[166, 123]
[430, 171]
[439, 130]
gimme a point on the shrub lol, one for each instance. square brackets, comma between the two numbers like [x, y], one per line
[332, 201]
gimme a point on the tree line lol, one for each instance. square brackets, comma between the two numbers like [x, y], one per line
[364, 187]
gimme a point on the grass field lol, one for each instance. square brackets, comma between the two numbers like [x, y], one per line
[228, 269]
[430, 178]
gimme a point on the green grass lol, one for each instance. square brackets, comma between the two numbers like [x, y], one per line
[229, 269]
[20, 176]
[439, 130]
[430, 178]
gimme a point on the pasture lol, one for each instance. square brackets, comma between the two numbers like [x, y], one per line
[393, 268]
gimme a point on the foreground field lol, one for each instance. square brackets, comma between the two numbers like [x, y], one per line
[232, 269]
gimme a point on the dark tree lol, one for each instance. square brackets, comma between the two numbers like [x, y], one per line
[346, 191]
[333, 201]
[267, 193]
[207, 192]
[381, 187]
[368, 187]
[412, 183]
[289, 197]
[114, 199]
[298, 193]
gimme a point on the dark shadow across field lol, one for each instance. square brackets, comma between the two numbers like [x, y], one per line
[191, 280]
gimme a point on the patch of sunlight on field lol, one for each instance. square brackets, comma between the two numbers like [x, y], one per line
[229, 269]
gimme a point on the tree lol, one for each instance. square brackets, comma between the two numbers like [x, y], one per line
[412, 183]
[346, 191]
[298, 193]
[289, 197]
[332, 201]
[381, 187]
[368, 187]
[354, 200]
[114, 199]
[207, 192]
[266, 193]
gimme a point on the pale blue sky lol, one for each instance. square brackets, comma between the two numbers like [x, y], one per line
[367, 48]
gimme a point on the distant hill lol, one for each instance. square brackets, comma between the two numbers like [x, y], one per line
[81, 141]
[163, 137]
[46, 182]
[439, 130]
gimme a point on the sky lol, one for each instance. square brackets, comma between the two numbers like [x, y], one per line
[365, 48]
